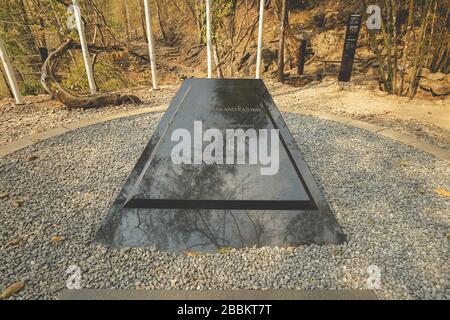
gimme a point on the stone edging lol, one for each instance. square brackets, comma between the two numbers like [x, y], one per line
[382, 131]
[10, 147]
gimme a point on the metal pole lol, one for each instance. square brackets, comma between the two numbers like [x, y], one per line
[84, 48]
[208, 38]
[260, 38]
[10, 74]
[151, 43]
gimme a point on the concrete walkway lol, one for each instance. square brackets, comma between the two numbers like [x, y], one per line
[249, 295]
[8, 148]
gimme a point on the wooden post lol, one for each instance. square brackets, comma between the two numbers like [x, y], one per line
[281, 42]
[209, 37]
[151, 43]
[84, 48]
[260, 38]
[301, 58]
[10, 74]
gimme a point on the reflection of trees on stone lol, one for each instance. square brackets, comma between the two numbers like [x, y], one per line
[209, 182]
[224, 97]
[303, 228]
[191, 228]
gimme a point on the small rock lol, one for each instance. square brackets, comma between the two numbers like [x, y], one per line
[403, 163]
[435, 76]
[420, 189]
[17, 202]
[425, 73]
[4, 195]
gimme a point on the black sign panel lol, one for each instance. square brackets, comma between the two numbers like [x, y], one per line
[351, 40]
[301, 57]
[183, 194]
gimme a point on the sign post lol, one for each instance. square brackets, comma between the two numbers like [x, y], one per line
[151, 43]
[301, 57]
[84, 47]
[10, 74]
[351, 39]
[260, 38]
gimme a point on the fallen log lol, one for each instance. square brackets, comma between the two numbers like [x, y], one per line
[53, 87]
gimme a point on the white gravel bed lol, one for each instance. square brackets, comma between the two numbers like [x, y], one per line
[388, 209]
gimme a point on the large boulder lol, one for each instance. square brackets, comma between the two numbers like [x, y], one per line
[436, 87]
[425, 73]
[438, 76]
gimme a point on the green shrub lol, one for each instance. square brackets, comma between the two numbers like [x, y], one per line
[31, 87]
[107, 77]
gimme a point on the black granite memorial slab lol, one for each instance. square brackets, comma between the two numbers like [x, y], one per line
[213, 175]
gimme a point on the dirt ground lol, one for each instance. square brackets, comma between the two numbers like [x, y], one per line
[424, 117]
[427, 118]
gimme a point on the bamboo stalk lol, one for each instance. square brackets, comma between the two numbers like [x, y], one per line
[406, 45]
[419, 51]
[431, 34]
[394, 31]
[128, 19]
[385, 30]
[441, 43]
[376, 50]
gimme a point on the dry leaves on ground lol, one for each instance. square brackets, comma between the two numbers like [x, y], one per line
[57, 239]
[88, 196]
[192, 253]
[13, 242]
[224, 250]
[12, 289]
[442, 192]
[32, 158]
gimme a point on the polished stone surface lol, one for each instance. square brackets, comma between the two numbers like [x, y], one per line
[204, 207]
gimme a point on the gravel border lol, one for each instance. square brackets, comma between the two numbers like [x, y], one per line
[387, 207]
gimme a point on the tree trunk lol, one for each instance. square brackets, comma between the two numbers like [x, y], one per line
[409, 28]
[161, 26]
[417, 67]
[52, 86]
[127, 16]
[198, 23]
[283, 20]
[141, 16]
[217, 62]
